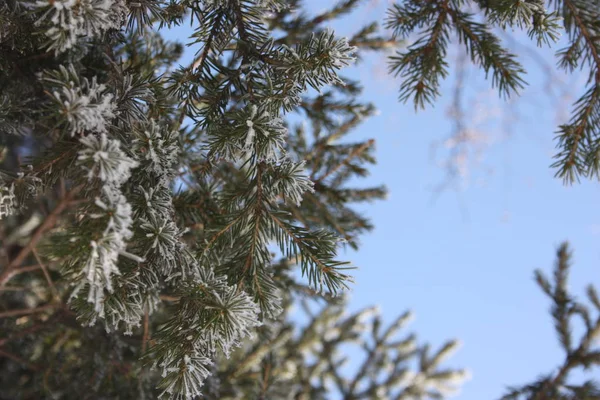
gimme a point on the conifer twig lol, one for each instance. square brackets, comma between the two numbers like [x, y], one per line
[48, 223]
[571, 361]
[26, 311]
[589, 38]
[16, 271]
[18, 359]
[198, 63]
[46, 275]
[146, 335]
[356, 152]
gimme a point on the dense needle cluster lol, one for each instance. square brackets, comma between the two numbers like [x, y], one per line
[65, 22]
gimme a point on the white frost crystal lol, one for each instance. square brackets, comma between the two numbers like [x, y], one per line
[101, 264]
[15, 191]
[233, 315]
[157, 150]
[87, 107]
[104, 159]
[293, 183]
[268, 130]
[342, 54]
[69, 20]
[7, 198]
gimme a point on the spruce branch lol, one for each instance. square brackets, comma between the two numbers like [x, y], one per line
[200, 64]
[316, 262]
[484, 49]
[423, 65]
[355, 153]
[578, 151]
[582, 355]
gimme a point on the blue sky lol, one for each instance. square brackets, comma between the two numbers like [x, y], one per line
[463, 261]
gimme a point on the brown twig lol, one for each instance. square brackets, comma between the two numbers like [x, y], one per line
[146, 335]
[589, 38]
[26, 311]
[48, 223]
[18, 359]
[356, 152]
[4, 278]
[46, 275]
[165, 297]
[12, 289]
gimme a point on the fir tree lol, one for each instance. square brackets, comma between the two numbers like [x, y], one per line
[579, 354]
[140, 203]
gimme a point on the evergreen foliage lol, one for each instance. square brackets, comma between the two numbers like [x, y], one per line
[141, 201]
[422, 65]
[584, 353]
